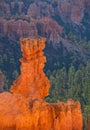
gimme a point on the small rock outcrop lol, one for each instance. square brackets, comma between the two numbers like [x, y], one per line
[24, 108]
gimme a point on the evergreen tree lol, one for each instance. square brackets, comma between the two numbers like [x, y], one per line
[71, 83]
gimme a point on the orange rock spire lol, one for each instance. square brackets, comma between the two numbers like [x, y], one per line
[24, 108]
[32, 80]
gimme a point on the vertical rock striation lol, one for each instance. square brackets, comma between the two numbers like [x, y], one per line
[24, 108]
[32, 80]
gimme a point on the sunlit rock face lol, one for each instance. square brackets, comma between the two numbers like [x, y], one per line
[32, 80]
[24, 108]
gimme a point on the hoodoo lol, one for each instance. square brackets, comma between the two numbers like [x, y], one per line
[24, 108]
[32, 80]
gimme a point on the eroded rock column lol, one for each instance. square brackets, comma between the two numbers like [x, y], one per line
[32, 81]
[24, 108]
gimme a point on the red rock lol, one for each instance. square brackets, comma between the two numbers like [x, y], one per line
[15, 29]
[69, 11]
[18, 112]
[72, 11]
[34, 11]
[24, 108]
[32, 81]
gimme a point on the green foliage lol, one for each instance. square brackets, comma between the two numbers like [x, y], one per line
[73, 84]
[1, 60]
[86, 115]
[12, 61]
[15, 74]
[72, 37]
[7, 83]
[85, 44]
[5, 57]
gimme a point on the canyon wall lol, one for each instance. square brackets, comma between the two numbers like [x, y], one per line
[68, 10]
[55, 20]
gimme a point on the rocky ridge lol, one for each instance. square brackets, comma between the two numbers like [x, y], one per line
[46, 27]
[68, 10]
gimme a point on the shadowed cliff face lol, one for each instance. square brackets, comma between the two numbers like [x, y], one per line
[68, 10]
[16, 29]
[53, 19]
[62, 11]
[46, 27]
[50, 19]
[24, 108]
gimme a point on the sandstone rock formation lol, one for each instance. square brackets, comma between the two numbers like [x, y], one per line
[19, 113]
[68, 10]
[18, 28]
[32, 80]
[24, 108]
